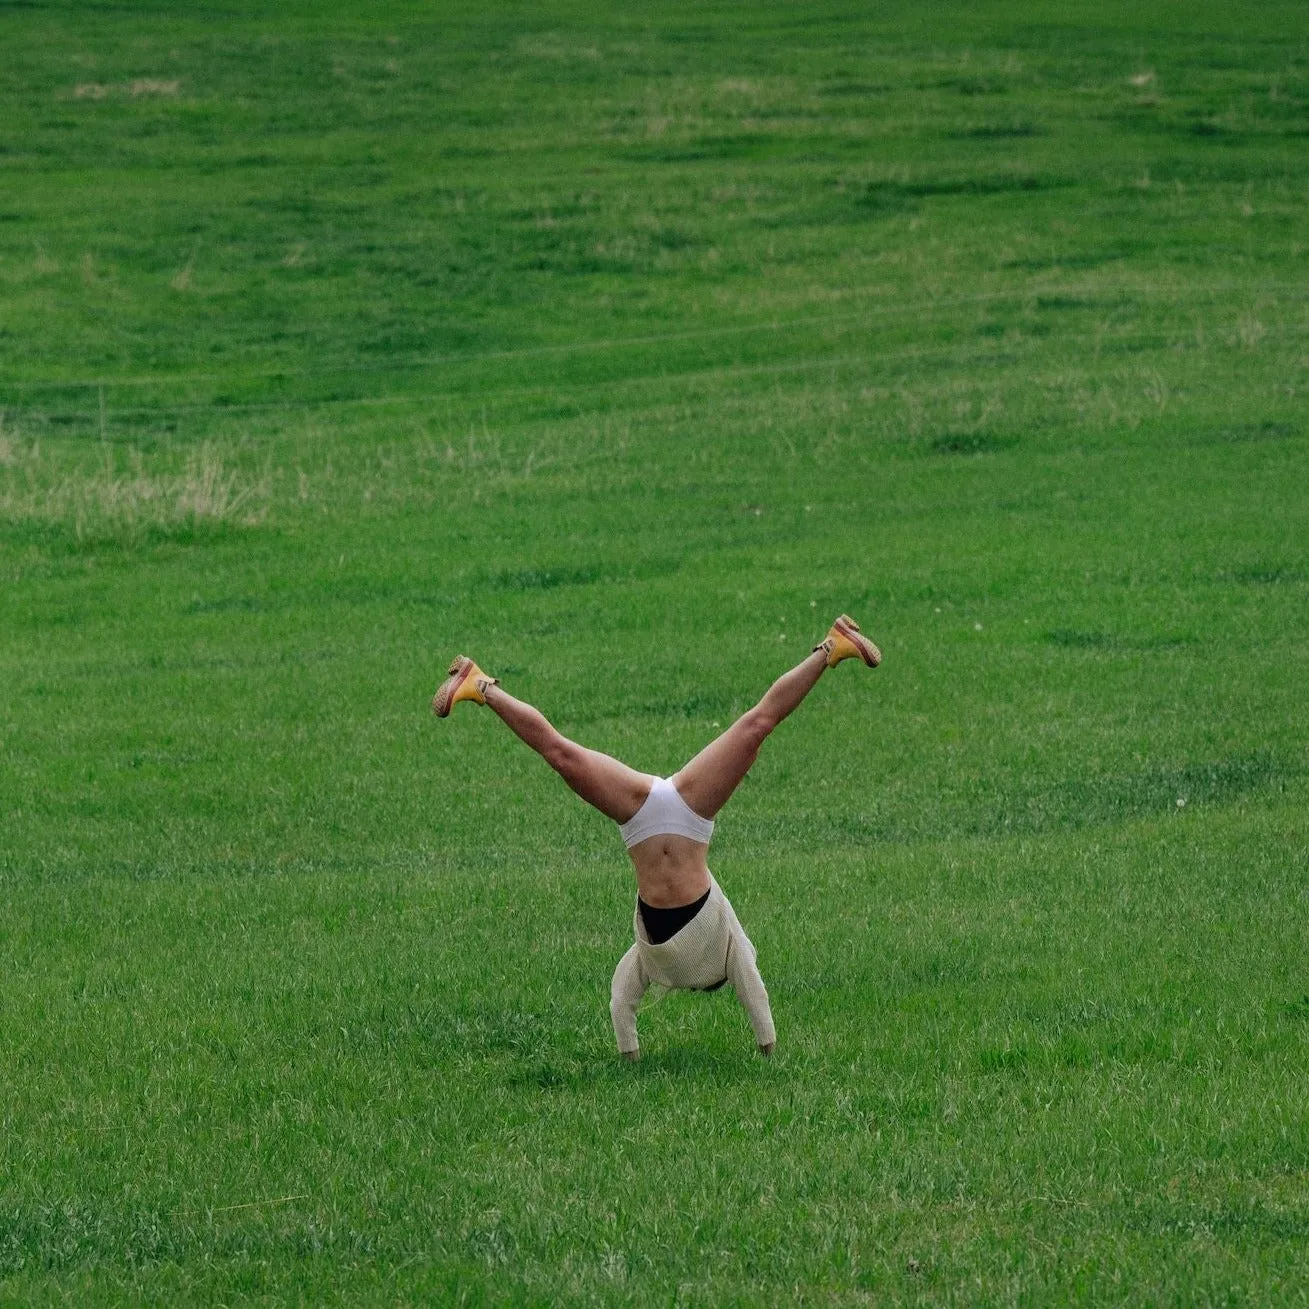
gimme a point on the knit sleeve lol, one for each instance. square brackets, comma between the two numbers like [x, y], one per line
[743, 973]
[630, 984]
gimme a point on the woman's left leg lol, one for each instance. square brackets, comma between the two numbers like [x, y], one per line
[707, 782]
[616, 790]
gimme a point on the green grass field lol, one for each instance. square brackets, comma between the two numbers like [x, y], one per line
[622, 348]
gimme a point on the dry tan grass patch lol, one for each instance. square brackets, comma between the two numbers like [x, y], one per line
[8, 447]
[181, 280]
[1250, 331]
[138, 87]
[550, 45]
[155, 86]
[123, 497]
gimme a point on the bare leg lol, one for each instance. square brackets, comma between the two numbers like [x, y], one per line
[709, 779]
[616, 790]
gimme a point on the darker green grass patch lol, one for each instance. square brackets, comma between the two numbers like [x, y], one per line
[551, 577]
[1004, 1059]
[62, 539]
[996, 131]
[547, 579]
[1072, 638]
[1030, 805]
[1238, 1223]
[1076, 260]
[702, 149]
[890, 196]
[1060, 303]
[971, 443]
[230, 604]
[1266, 429]
[1260, 1221]
[954, 967]
[551, 1074]
[702, 704]
[971, 86]
[840, 88]
[1112, 798]
[472, 1028]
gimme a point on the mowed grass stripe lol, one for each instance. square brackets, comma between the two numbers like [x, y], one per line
[1011, 347]
[1055, 296]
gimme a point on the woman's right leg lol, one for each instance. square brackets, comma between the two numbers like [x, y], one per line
[616, 790]
[707, 782]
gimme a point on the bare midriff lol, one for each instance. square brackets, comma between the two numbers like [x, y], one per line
[670, 870]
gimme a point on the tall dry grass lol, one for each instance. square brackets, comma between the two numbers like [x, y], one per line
[125, 496]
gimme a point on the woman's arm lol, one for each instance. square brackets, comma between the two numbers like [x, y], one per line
[630, 984]
[743, 973]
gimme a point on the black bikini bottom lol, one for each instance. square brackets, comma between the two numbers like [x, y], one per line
[663, 924]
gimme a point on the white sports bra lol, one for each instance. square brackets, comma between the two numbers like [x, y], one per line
[665, 812]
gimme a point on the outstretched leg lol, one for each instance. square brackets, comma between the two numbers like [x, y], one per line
[709, 779]
[616, 790]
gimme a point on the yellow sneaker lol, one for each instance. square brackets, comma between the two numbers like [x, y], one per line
[845, 641]
[466, 682]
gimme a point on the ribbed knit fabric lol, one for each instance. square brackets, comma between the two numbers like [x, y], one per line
[710, 949]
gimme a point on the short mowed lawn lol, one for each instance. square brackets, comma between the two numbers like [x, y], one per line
[622, 348]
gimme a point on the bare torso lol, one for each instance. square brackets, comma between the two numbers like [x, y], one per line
[670, 870]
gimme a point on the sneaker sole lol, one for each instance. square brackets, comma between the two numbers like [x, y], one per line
[444, 697]
[849, 629]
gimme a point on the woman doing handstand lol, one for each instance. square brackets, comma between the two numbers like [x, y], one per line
[687, 935]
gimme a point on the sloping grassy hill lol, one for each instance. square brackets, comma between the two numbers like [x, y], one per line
[622, 350]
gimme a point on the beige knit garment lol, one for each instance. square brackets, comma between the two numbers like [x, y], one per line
[710, 949]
